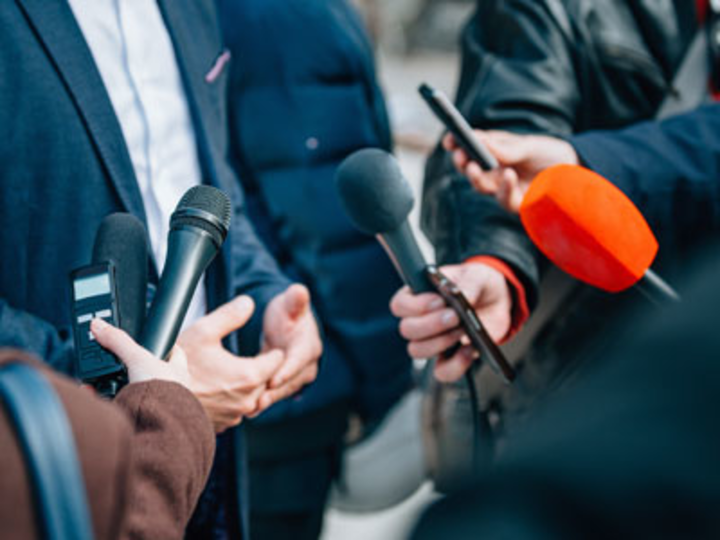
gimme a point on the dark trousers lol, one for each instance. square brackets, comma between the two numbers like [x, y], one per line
[292, 467]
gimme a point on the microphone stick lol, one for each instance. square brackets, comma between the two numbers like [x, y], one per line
[198, 228]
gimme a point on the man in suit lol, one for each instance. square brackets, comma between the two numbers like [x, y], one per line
[119, 106]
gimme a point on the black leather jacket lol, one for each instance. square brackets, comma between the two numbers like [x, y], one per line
[556, 67]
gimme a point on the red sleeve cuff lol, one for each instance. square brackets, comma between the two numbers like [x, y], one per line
[521, 311]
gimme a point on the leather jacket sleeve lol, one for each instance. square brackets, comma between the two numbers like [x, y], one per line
[517, 74]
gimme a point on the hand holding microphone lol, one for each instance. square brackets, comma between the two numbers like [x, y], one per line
[140, 363]
[378, 200]
[431, 327]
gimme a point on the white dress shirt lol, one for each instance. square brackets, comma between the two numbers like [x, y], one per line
[134, 53]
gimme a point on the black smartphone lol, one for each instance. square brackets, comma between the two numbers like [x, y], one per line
[480, 339]
[456, 124]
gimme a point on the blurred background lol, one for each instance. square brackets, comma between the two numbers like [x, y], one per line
[416, 41]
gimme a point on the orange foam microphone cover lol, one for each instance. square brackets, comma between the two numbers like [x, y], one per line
[588, 227]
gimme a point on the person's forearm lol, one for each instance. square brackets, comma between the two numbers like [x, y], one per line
[675, 161]
[172, 453]
[255, 273]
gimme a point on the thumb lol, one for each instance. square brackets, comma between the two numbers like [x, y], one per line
[508, 148]
[119, 343]
[510, 194]
[296, 301]
[225, 319]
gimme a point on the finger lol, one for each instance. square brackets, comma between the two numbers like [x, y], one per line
[449, 142]
[508, 184]
[257, 371]
[429, 326]
[435, 346]
[448, 371]
[460, 160]
[292, 387]
[305, 349]
[177, 356]
[509, 149]
[407, 304]
[487, 182]
[179, 362]
[119, 343]
[225, 319]
[516, 196]
[296, 301]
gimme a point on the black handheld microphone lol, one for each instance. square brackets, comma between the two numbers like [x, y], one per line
[378, 200]
[112, 288]
[198, 228]
[122, 240]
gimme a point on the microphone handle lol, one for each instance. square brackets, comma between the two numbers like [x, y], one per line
[657, 290]
[190, 251]
[405, 254]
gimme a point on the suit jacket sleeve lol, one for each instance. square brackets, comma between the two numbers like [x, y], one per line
[255, 272]
[670, 169]
[172, 452]
[19, 329]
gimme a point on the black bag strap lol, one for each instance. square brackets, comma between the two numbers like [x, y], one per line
[48, 446]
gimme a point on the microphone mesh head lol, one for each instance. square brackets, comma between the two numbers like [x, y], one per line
[122, 240]
[587, 227]
[373, 191]
[207, 208]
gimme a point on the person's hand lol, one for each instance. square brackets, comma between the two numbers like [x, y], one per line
[140, 363]
[521, 159]
[289, 325]
[432, 327]
[228, 386]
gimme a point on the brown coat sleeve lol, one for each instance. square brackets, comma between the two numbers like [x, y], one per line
[103, 440]
[173, 449]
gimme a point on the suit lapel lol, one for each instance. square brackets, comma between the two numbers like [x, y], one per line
[62, 38]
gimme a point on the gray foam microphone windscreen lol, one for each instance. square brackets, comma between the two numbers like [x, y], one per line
[374, 192]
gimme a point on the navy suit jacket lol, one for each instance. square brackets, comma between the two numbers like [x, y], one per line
[64, 166]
